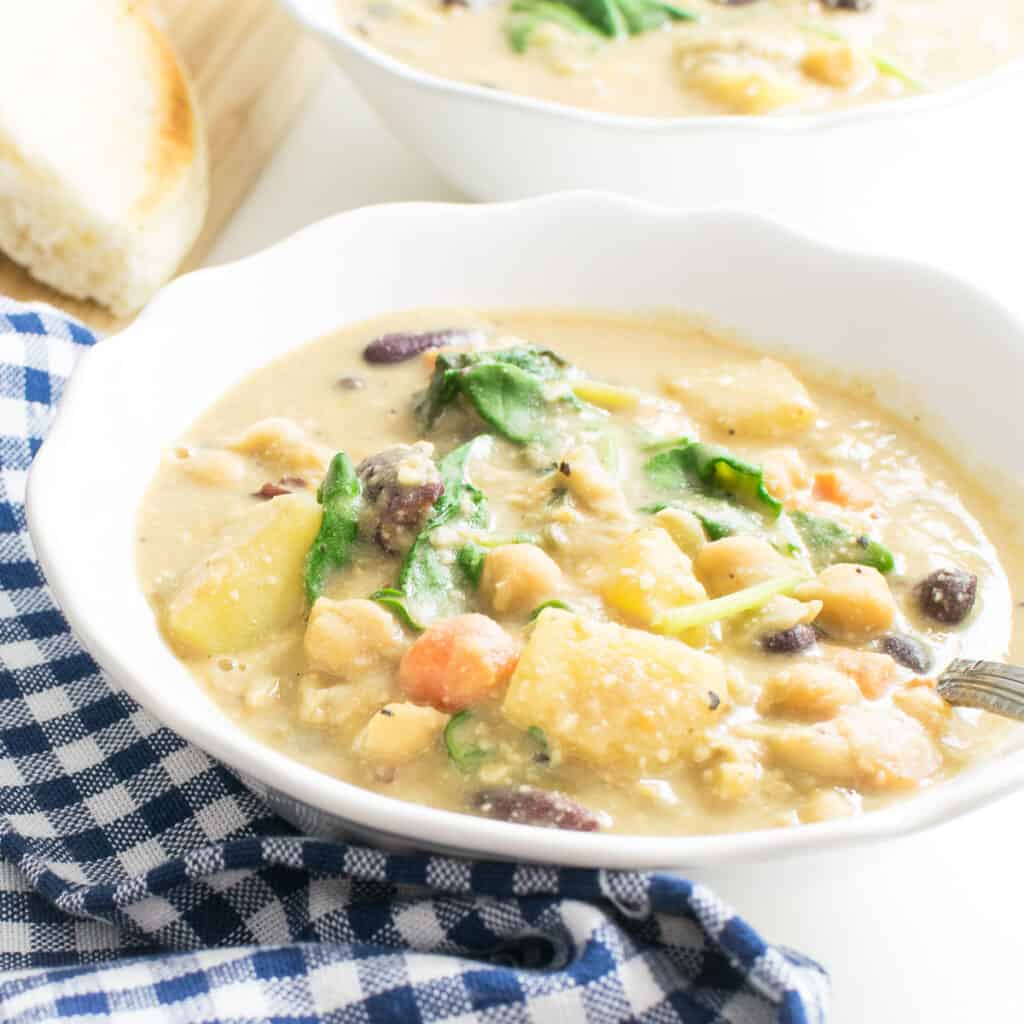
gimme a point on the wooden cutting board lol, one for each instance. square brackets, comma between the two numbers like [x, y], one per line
[252, 67]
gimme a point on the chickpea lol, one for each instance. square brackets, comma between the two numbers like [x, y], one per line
[399, 732]
[684, 528]
[856, 603]
[733, 563]
[517, 578]
[810, 691]
[352, 637]
[785, 473]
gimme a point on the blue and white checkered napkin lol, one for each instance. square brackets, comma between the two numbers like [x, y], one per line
[139, 880]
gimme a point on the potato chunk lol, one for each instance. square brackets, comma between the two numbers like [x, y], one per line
[518, 577]
[744, 88]
[399, 732]
[836, 64]
[856, 603]
[352, 637]
[252, 585]
[867, 747]
[734, 563]
[759, 399]
[809, 690]
[619, 698]
[650, 576]
[283, 443]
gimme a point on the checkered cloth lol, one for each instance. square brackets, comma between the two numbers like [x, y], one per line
[141, 881]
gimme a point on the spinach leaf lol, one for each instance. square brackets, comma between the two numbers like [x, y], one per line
[552, 603]
[712, 471]
[431, 584]
[609, 19]
[470, 560]
[341, 497]
[467, 757]
[507, 398]
[505, 388]
[646, 15]
[829, 542]
[394, 601]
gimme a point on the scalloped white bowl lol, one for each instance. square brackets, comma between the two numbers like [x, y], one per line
[134, 394]
[867, 175]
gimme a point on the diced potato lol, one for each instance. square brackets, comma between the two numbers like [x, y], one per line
[592, 485]
[399, 732]
[284, 443]
[836, 64]
[733, 781]
[924, 704]
[650, 576]
[211, 466]
[827, 804]
[323, 702]
[252, 586]
[618, 698]
[856, 603]
[518, 577]
[352, 637]
[684, 528]
[808, 690]
[746, 87]
[871, 670]
[866, 747]
[757, 399]
[734, 563]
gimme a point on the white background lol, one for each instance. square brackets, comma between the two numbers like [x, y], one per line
[926, 929]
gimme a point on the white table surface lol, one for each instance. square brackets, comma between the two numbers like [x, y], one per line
[922, 930]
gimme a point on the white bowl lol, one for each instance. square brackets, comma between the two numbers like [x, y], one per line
[872, 174]
[135, 393]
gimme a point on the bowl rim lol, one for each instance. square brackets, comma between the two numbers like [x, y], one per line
[421, 825]
[335, 31]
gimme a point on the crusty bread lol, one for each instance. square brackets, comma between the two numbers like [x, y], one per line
[103, 175]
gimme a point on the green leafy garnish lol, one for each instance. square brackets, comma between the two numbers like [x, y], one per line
[829, 543]
[603, 19]
[394, 601]
[553, 603]
[432, 586]
[470, 560]
[883, 64]
[341, 498]
[712, 471]
[504, 388]
[528, 15]
[467, 757]
[537, 734]
[678, 620]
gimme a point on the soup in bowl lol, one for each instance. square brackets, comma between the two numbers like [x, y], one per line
[579, 570]
[698, 57]
[216, 405]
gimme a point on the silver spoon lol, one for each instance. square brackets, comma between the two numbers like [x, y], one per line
[989, 685]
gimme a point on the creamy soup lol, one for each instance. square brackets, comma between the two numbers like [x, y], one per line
[665, 59]
[484, 562]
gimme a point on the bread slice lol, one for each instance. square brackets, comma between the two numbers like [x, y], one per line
[103, 171]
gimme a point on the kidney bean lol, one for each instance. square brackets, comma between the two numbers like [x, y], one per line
[907, 650]
[526, 805]
[790, 641]
[402, 345]
[948, 595]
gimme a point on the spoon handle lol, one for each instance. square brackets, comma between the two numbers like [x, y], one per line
[989, 685]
